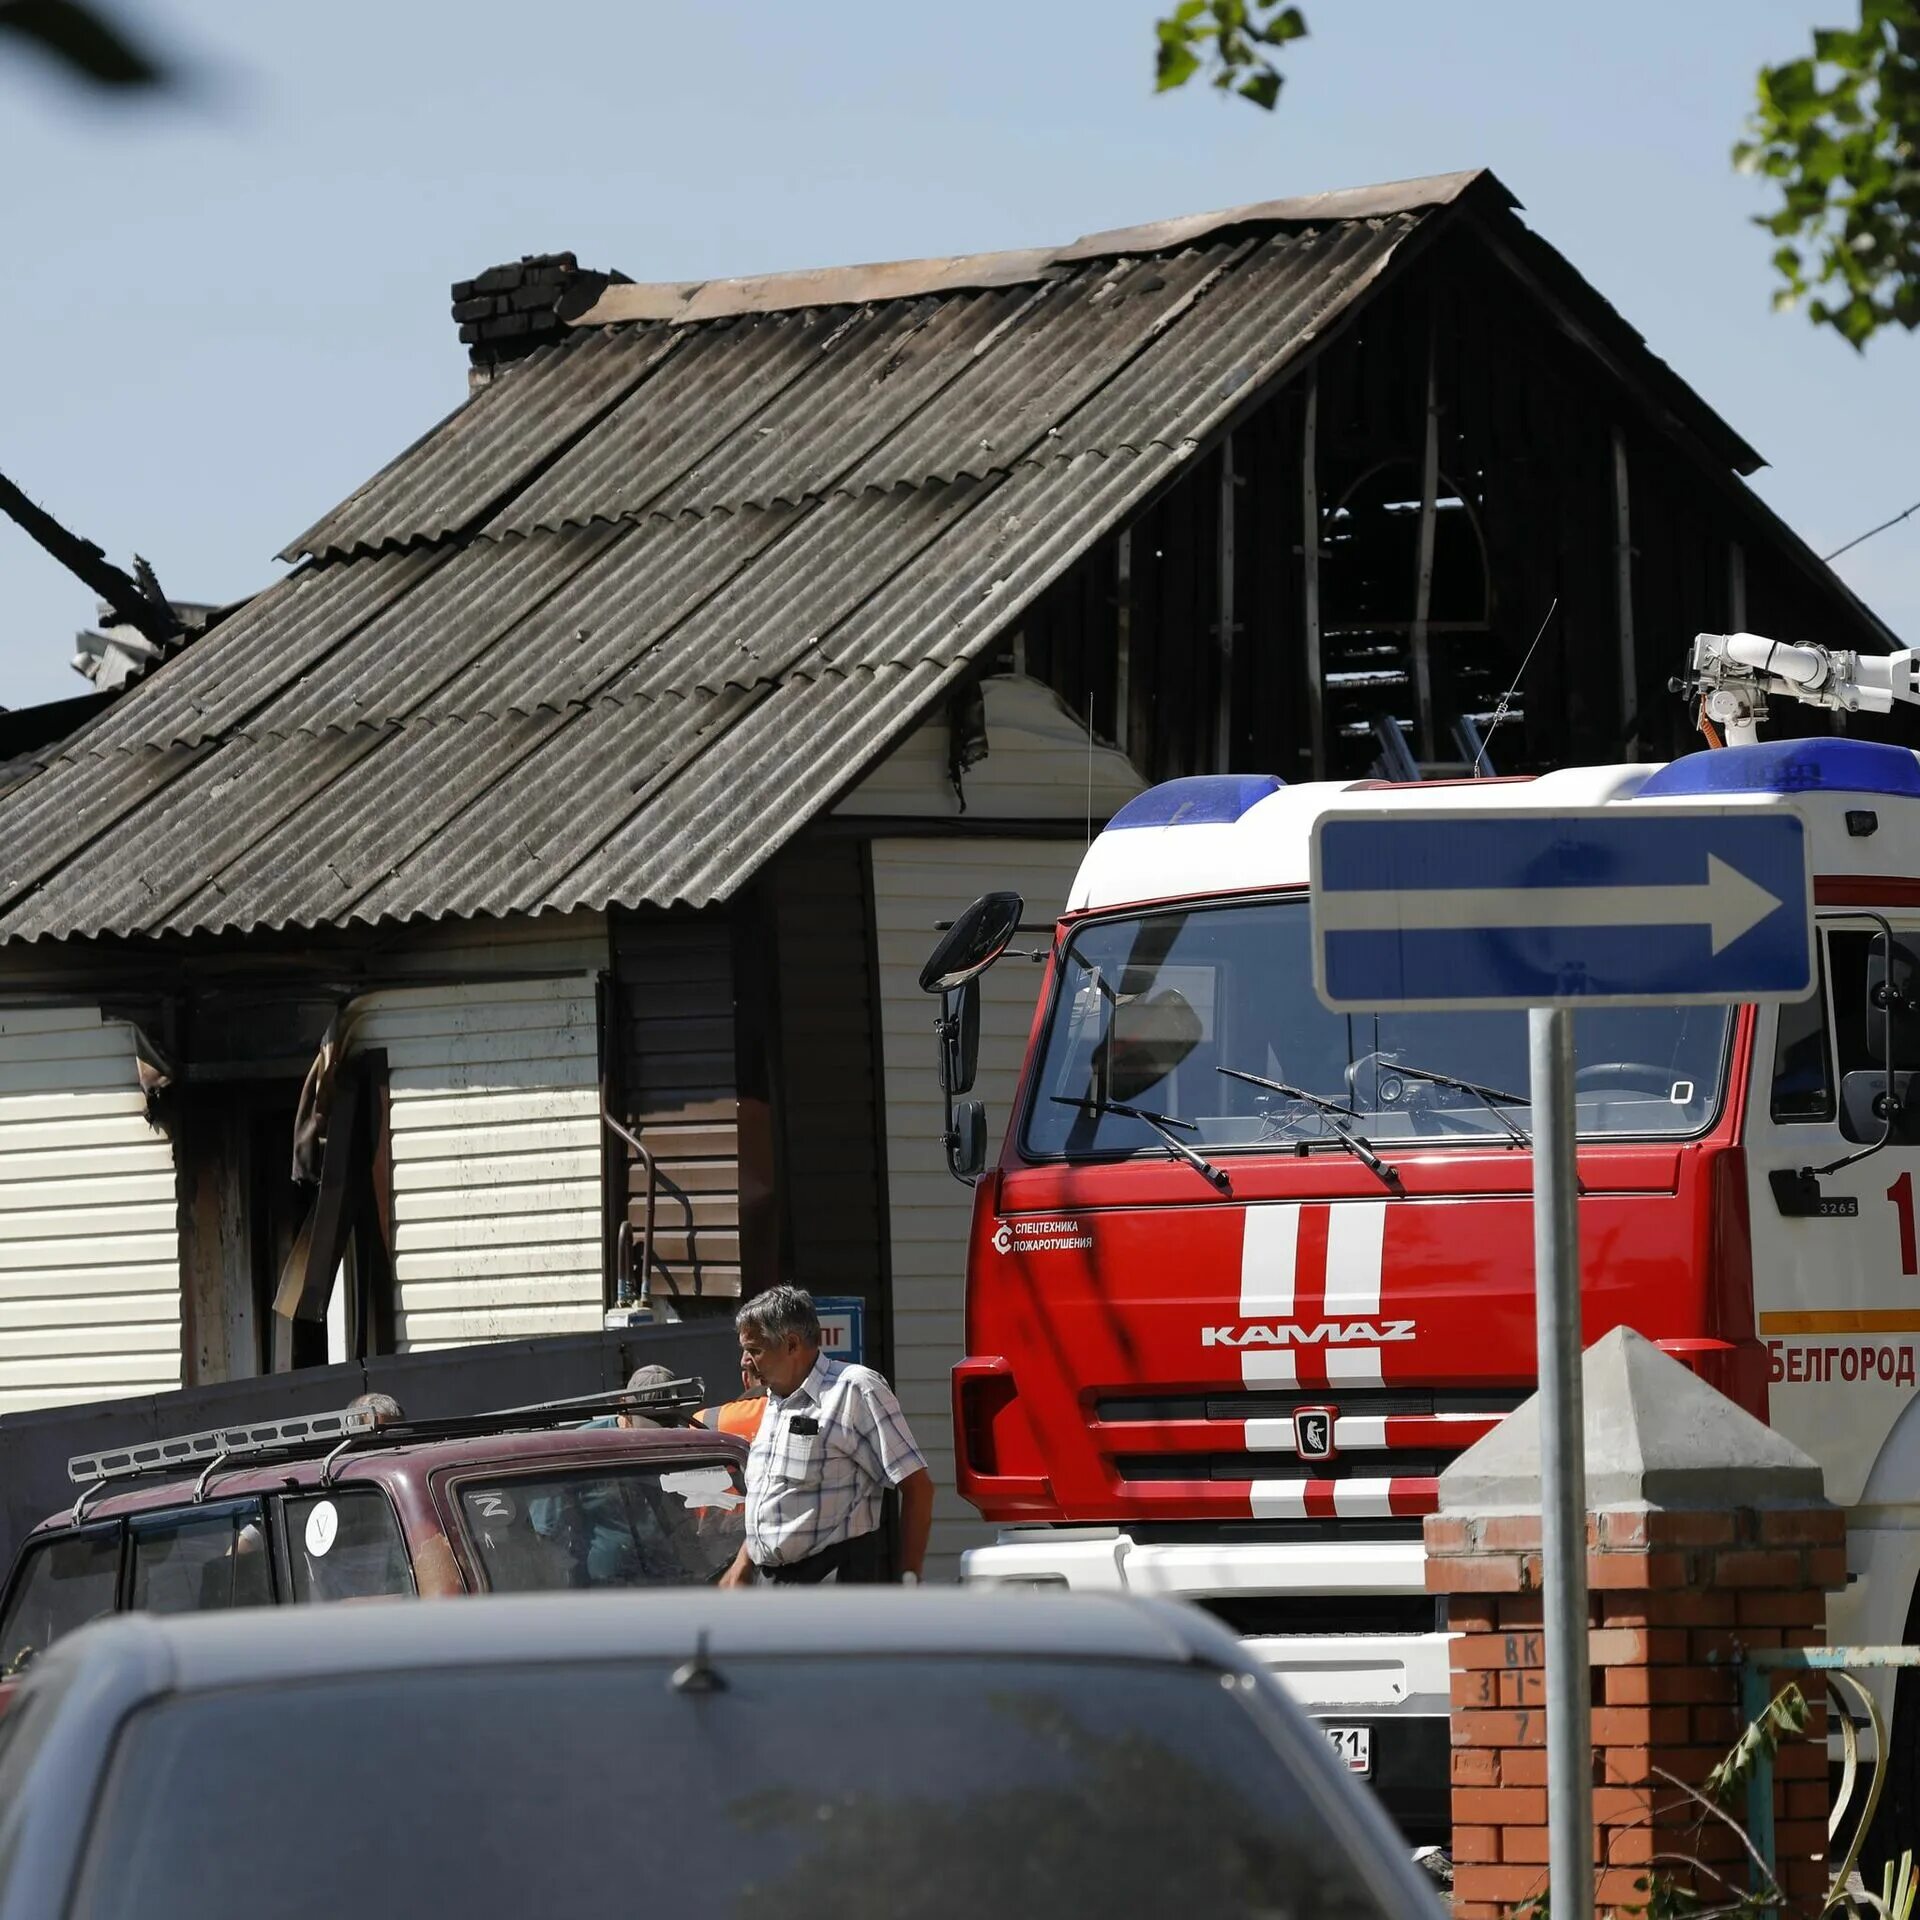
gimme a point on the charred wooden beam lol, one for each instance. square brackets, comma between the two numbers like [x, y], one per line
[1310, 575]
[1423, 582]
[152, 618]
[1623, 597]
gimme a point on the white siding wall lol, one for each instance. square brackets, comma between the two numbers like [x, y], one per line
[1038, 767]
[89, 1244]
[915, 883]
[496, 1148]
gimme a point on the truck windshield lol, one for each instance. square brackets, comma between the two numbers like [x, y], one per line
[1188, 1011]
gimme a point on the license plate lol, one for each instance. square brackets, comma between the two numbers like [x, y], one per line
[1354, 1745]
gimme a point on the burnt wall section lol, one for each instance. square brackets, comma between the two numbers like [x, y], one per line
[1556, 488]
[676, 1083]
[832, 1138]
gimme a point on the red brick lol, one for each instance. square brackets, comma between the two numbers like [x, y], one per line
[1474, 1727]
[1826, 1567]
[1622, 1806]
[1637, 1766]
[1524, 1766]
[1509, 1533]
[1519, 1610]
[1525, 1648]
[1468, 1615]
[1619, 1532]
[1500, 1806]
[1619, 1886]
[1639, 1571]
[1444, 1533]
[1801, 1839]
[1692, 1529]
[1756, 1567]
[1723, 1725]
[1620, 1646]
[1639, 1726]
[1505, 1885]
[1806, 1608]
[1667, 1686]
[1723, 1645]
[1626, 1846]
[1803, 1527]
[1477, 1844]
[1479, 1910]
[1524, 1846]
[1477, 1573]
[1475, 1767]
[1481, 1689]
[1699, 1607]
[1801, 1760]
[1526, 1688]
[1804, 1800]
[1803, 1879]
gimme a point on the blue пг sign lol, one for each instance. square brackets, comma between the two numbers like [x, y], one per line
[1626, 905]
[843, 1326]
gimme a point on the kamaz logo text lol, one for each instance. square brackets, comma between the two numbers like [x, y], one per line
[1324, 1333]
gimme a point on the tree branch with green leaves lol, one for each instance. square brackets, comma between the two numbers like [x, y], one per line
[1839, 130]
[1228, 41]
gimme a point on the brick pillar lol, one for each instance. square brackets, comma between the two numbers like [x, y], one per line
[1728, 1543]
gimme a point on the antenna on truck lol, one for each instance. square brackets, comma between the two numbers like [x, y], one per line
[1507, 698]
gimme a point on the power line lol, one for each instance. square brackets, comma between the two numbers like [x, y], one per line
[1871, 531]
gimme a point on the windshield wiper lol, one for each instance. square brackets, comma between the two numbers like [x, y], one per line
[1489, 1097]
[1163, 1124]
[1336, 1119]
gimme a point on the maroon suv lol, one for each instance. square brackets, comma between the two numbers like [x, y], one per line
[346, 1513]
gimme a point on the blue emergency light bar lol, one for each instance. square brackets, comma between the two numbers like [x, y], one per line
[1791, 766]
[1202, 799]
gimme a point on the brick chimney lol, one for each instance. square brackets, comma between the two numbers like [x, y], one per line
[509, 311]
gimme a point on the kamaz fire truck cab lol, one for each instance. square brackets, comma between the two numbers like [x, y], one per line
[1247, 1274]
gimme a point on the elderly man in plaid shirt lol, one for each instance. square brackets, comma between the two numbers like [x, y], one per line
[832, 1441]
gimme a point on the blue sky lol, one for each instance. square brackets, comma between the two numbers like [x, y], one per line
[222, 314]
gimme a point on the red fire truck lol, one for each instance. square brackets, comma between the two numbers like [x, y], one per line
[1246, 1274]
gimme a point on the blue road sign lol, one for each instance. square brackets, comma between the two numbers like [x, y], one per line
[1623, 905]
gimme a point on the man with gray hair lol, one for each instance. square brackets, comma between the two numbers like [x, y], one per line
[832, 1441]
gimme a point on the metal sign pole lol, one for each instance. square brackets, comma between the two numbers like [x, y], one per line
[1563, 1470]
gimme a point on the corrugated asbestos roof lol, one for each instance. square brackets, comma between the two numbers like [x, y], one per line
[652, 599]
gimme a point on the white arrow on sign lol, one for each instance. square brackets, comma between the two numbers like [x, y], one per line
[1727, 902]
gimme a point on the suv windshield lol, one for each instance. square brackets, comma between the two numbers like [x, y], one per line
[1172, 1011]
[627, 1526]
[937, 1788]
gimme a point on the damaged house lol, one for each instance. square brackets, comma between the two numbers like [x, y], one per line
[544, 864]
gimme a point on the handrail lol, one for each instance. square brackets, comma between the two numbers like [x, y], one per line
[623, 1282]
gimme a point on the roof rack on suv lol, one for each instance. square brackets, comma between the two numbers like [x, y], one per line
[338, 1430]
[188, 1449]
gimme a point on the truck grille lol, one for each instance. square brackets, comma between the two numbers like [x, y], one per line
[1248, 1614]
[1256, 1466]
[1388, 1445]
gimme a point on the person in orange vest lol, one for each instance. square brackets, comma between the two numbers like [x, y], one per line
[740, 1416]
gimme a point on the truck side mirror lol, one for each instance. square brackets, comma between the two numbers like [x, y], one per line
[966, 1140]
[1865, 1109]
[1893, 1000]
[973, 943]
[958, 1029]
